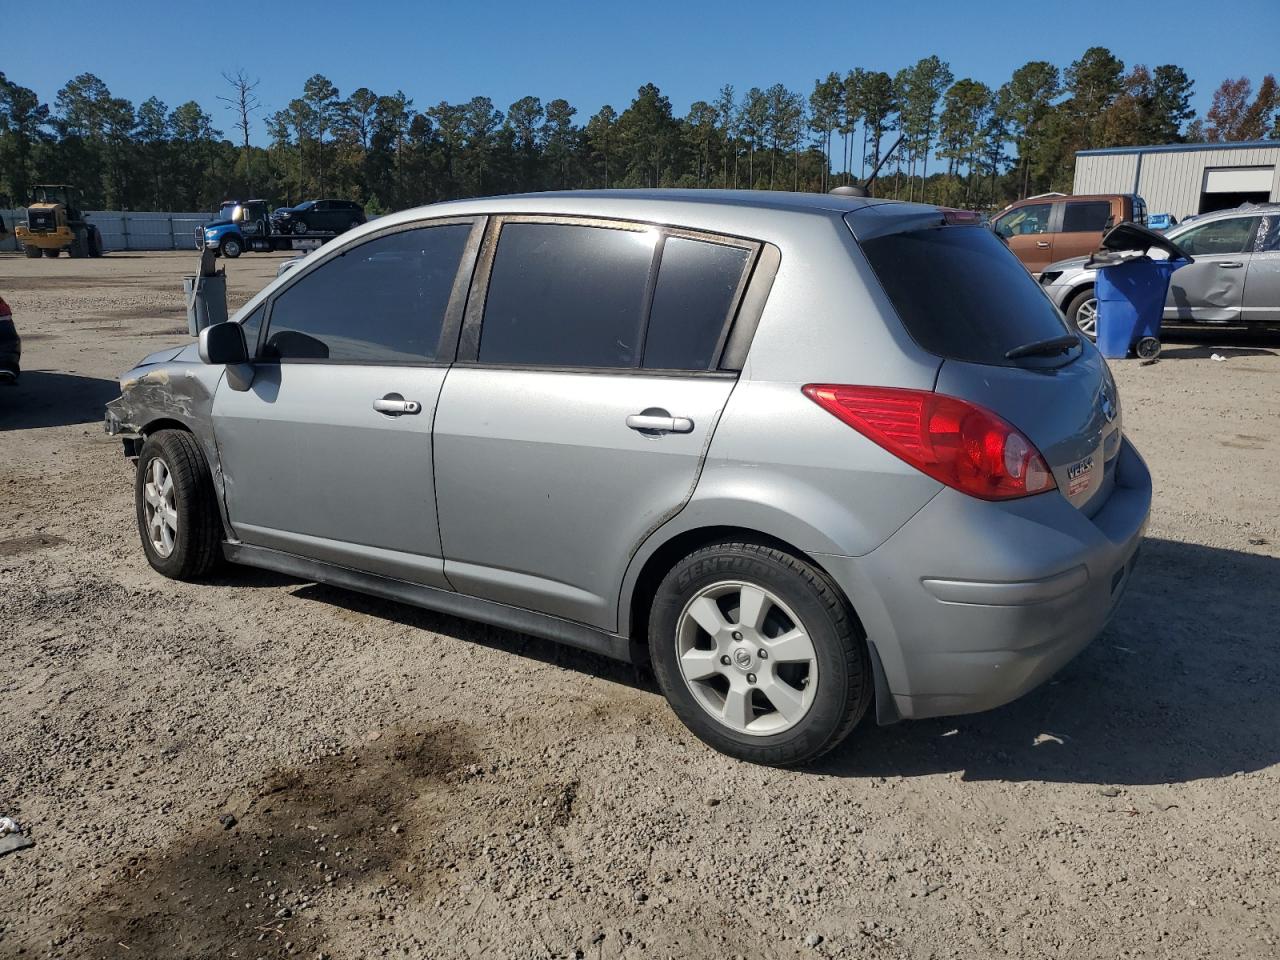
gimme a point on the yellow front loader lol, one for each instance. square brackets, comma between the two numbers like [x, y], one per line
[55, 222]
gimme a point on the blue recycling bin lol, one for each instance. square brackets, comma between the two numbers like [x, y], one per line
[1131, 297]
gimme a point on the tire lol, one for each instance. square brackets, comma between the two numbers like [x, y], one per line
[95, 242]
[189, 502]
[79, 247]
[231, 247]
[826, 694]
[1087, 301]
[51, 254]
[33, 253]
[299, 227]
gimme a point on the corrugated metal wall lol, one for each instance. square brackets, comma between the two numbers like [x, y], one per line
[1170, 182]
[132, 230]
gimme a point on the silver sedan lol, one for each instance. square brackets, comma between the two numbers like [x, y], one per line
[1234, 277]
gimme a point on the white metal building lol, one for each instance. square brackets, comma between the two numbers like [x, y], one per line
[1185, 178]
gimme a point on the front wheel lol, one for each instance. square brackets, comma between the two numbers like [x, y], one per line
[177, 507]
[759, 654]
[299, 227]
[1082, 310]
[33, 253]
[231, 248]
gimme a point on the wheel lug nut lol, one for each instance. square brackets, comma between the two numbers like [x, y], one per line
[763, 654]
[725, 661]
[737, 635]
[751, 678]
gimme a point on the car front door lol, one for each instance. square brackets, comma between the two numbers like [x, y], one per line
[327, 454]
[576, 419]
[1211, 288]
[1026, 229]
[1262, 281]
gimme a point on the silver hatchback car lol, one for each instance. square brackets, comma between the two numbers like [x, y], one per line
[1233, 279]
[807, 455]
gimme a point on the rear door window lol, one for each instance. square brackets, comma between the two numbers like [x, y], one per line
[564, 295]
[961, 293]
[1086, 216]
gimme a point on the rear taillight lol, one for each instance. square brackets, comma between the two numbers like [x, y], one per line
[956, 442]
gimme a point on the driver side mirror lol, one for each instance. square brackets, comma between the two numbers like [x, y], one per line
[223, 343]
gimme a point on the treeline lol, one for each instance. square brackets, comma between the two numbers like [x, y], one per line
[962, 142]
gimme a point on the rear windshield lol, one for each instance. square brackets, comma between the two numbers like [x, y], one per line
[961, 294]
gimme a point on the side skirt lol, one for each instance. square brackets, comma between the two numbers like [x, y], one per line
[443, 601]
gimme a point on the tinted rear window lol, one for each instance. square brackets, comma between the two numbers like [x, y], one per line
[697, 284]
[961, 294]
[1086, 216]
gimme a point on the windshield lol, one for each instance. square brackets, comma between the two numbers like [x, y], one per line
[961, 294]
[226, 211]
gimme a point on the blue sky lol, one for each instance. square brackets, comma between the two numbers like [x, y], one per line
[592, 53]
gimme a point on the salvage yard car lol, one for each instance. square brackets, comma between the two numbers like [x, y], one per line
[810, 456]
[1234, 278]
[1040, 230]
[10, 346]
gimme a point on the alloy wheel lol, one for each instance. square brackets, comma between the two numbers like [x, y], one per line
[746, 658]
[160, 509]
[1087, 318]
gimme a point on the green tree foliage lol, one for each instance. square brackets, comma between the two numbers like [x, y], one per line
[963, 143]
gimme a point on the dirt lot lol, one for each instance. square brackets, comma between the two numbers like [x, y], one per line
[407, 784]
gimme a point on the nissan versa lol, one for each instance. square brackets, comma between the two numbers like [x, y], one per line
[807, 455]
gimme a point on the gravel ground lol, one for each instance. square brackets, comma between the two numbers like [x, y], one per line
[260, 767]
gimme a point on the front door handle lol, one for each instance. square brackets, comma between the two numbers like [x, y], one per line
[1230, 264]
[394, 405]
[652, 423]
[1042, 244]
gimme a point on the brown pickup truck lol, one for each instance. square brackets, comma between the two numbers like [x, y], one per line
[1042, 230]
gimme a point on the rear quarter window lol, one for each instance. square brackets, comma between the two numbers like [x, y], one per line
[961, 294]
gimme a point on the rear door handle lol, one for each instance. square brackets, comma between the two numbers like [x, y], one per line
[395, 405]
[1230, 264]
[1043, 244]
[647, 423]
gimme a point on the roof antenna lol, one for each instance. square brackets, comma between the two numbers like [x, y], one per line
[864, 190]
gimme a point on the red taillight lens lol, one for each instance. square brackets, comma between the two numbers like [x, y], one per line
[956, 442]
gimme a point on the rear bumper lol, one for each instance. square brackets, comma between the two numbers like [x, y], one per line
[972, 604]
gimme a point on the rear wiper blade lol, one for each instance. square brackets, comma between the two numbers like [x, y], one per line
[1044, 348]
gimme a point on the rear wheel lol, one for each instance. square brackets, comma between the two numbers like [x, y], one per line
[51, 253]
[758, 654]
[176, 505]
[230, 247]
[95, 242]
[1082, 310]
[79, 247]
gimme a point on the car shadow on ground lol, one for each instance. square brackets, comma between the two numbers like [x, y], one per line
[1181, 686]
[1200, 343]
[44, 399]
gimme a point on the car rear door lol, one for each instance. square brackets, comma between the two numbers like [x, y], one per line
[1262, 279]
[1211, 287]
[327, 454]
[1028, 233]
[1082, 225]
[576, 419]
